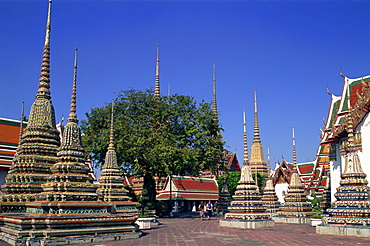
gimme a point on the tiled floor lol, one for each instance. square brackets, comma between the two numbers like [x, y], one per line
[189, 230]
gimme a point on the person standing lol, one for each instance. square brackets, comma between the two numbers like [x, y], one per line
[201, 208]
[209, 208]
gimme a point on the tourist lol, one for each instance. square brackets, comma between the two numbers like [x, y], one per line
[201, 208]
[209, 208]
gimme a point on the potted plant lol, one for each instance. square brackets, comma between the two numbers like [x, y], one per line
[315, 202]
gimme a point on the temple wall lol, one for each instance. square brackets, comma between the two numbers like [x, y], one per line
[281, 190]
[335, 171]
[364, 128]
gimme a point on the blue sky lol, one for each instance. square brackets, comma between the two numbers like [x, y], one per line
[288, 50]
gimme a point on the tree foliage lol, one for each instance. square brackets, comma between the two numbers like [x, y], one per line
[156, 136]
[232, 179]
[261, 180]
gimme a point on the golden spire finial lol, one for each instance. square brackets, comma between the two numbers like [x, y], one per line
[44, 81]
[246, 160]
[72, 117]
[157, 89]
[111, 142]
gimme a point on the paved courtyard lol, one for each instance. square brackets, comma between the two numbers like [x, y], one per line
[191, 231]
[188, 230]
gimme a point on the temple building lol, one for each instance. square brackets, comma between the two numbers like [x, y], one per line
[354, 100]
[186, 192]
[10, 131]
[350, 214]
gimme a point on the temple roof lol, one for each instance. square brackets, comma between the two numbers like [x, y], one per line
[189, 188]
[233, 163]
[355, 92]
[9, 139]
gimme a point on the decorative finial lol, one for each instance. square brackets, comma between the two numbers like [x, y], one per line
[246, 160]
[111, 143]
[256, 138]
[72, 117]
[157, 90]
[340, 73]
[214, 104]
[44, 81]
[327, 90]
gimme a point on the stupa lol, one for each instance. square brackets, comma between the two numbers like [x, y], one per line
[270, 199]
[257, 160]
[37, 150]
[67, 211]
[350, 214]
[296, 208]
[111, 181]
[225, 199]
[247, 210]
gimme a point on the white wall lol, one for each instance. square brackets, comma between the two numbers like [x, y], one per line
[335, 172]
[364, 156]
[280, 189]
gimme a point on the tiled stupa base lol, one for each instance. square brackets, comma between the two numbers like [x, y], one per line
[246, 224]
[82, 240]
[292, 220]
[355, 231]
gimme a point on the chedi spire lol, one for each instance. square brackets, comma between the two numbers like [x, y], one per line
[111, 180]
[214, 102]
[257, 159]
[157, 89]
[37, 150]
[44, 84]
[70, 180]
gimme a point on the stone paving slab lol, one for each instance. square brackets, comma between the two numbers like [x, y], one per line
[191, 231]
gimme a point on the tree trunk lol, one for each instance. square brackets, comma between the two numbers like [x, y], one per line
[149, 185]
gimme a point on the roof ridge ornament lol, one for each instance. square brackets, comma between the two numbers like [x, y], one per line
[327, 90]
[341, 74]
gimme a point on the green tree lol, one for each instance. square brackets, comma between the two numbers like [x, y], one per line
[260, 180]
[156, 136]
[232, 179]
[316, 202]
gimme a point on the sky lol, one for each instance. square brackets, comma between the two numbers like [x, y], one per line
[289, 51]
